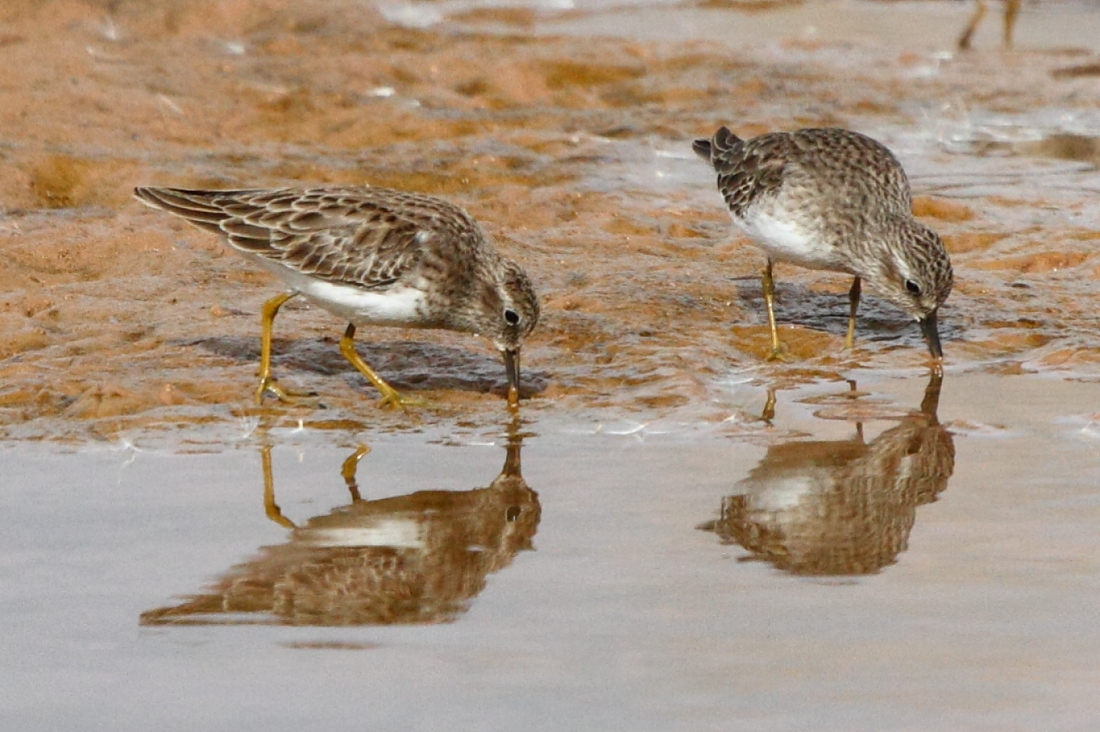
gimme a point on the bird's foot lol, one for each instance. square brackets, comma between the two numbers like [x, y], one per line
[393, 399]
[269, 385]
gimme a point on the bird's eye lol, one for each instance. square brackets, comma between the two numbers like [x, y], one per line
[913, 287]
[511, 317]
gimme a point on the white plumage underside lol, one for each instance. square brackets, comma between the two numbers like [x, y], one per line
[401, 306]
[786, 240]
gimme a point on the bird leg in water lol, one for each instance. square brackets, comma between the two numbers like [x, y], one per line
[349, 469]
[1011, 10]
[270, 507]
[767, 283]
[853, 305]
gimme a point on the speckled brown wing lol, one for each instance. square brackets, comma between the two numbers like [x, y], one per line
[857, 168]
[746, 170]
[851, 166]
[362, 236]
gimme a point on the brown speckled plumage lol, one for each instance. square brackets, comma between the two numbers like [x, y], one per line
[835, 200]
[363, 241]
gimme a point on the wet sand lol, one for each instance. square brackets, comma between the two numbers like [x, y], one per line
[574, 155]
[904, 567]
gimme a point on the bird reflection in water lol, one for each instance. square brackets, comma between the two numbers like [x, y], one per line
[841, 507]
[417, 558]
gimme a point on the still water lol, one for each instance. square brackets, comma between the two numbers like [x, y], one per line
[866, 559]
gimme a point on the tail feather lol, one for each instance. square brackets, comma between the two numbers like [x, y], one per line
[718, 146]
[702, 148]
[188, 205]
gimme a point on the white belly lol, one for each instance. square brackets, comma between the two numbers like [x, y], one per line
[786, 239]
[398, 305]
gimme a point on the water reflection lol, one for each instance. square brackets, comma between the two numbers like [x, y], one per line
[417, 558]
[842, 507]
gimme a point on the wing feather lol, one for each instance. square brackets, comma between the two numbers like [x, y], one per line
[363, 236]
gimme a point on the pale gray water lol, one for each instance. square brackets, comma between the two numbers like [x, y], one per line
[623, 616]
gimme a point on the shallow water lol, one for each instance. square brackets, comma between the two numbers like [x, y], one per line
[678, 551]
[614, 607]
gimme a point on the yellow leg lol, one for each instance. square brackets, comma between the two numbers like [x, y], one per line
[968, 33]
[769, 407]
[348, 470]
[270, 507]
[768, 285]
[853, 305]
[390, 396]
[1012, 8]
[271, 307]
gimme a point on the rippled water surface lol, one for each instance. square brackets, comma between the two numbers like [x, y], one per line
[675, 533]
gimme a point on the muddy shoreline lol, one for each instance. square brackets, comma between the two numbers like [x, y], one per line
[574, 156]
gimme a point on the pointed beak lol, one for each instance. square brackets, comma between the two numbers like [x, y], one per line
[511, 366]
[931, 334]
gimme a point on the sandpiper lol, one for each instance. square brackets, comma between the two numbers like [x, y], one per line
[834, 200]
[372, 256]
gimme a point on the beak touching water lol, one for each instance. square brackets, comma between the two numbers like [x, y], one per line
[511, 366]
[931, 334]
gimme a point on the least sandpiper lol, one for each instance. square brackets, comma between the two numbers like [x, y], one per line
[372, 256]
[834, 200]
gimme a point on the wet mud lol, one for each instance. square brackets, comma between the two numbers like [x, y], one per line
[574, 155]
